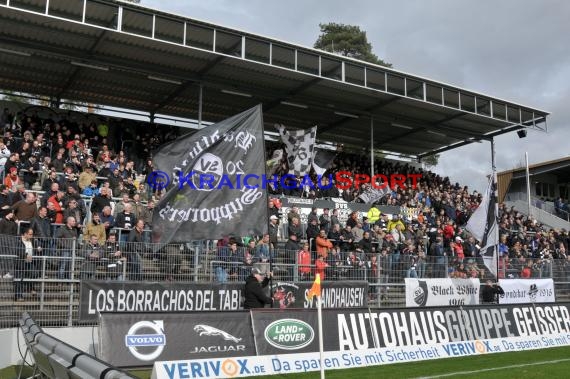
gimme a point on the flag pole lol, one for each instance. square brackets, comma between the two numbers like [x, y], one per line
[316, 291]
[495, 194]
[320, 322]
[271, 252]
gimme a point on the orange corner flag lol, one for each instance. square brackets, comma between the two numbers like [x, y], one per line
[316, 288]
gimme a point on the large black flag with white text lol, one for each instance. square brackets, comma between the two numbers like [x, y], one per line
[207, 197]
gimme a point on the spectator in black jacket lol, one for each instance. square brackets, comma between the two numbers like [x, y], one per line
[5, 200]
[136, 250]
[254, 293]
[491, 291]
[101, 201]
[7, 225]
[65, 237]
[41, 225]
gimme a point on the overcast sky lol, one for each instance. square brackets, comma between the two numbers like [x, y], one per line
[511, 49]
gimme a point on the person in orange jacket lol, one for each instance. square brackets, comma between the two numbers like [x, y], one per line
[323, 244]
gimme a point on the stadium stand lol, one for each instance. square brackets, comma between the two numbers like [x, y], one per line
[74, 205]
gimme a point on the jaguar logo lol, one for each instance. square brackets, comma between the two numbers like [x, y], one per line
[206, 330]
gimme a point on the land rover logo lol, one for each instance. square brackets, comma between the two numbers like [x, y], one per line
[289, 334]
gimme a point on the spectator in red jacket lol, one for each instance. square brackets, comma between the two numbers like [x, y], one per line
[304, 261]
[55, 203]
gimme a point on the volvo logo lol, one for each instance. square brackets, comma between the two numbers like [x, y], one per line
[146, 346]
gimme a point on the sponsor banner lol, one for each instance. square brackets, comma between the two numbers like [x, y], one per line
[441, 292]
[527, 291]
[104, 296]
[366, 329]
[345, 294]
[332, 360]
[293, 331]
[134, 339]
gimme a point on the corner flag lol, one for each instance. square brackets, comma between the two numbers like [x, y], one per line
[316, 288]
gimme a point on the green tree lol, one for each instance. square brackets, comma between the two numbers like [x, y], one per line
[431, 160]
[347, 40]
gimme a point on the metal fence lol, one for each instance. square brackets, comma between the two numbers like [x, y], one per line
[47, 282]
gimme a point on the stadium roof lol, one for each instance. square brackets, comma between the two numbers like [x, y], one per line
[124, 55]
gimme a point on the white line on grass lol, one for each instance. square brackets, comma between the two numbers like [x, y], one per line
[494, 369]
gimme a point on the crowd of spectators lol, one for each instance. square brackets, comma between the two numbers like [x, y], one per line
[83, 182]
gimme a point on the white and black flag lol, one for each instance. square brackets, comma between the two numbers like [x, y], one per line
[484, 227]
[300, 147]
[371, 195]
[322, 160]
[207, 198]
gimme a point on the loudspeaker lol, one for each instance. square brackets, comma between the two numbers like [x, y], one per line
[521, 133]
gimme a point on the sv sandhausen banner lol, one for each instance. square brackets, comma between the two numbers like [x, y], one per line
[343, 294]
[142, 297]
[134, 339]
[527, 291]
[441, 292]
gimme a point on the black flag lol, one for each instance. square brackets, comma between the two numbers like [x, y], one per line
[323, 160]
[207, 197]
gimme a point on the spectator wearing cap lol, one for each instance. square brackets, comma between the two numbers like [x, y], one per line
[26, 210]
[255, 295]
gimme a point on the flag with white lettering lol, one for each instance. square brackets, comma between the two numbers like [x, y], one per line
[371, 195]
[300, 147]
[322, 160]
[483, 226]
[214, 182]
